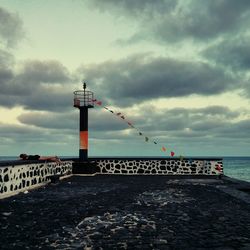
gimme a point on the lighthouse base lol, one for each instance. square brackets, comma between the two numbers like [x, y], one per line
[86, 167]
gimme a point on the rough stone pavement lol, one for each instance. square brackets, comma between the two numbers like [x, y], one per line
[126, 212]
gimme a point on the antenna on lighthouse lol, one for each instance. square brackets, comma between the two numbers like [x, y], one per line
[84, 85]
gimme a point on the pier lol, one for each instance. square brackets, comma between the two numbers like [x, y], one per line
[129, 212]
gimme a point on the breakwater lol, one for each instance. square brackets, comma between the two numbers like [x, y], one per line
[127, 212]
[160, 166]
[18, 176]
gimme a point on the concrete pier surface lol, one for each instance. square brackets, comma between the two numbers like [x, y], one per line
[129, 212]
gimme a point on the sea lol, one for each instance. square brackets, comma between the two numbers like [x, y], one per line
[235, 167]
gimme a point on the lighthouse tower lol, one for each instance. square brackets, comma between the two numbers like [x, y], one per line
[83, 100]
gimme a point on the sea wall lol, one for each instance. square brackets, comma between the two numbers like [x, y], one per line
[163, 166]
[17, 178]
[150, 166]
[20, 176]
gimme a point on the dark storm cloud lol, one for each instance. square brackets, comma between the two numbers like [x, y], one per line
[203, 19]
[201, 126]
[141, 78]
[99, 120]
[19, 133]
[6, 59]
[36, 72]
[234, 52]
[6, 72]
[50, 120]
[11, 28]
[16, 139]
[170, 21]
[213, 125]
[196, 120]
[136, 8]
[39, 85]
[212, 121]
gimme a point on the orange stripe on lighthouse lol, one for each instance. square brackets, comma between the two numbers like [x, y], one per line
[83, 139]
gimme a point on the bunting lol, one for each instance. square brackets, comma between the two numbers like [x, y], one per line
[120, 115]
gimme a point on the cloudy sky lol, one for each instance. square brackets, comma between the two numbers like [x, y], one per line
[177, 69]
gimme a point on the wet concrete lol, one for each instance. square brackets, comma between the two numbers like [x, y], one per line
[127, 212]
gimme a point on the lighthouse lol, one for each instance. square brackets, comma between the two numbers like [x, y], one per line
[83, 100]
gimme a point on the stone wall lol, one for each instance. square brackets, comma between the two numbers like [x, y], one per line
[17, 178]
[160, 166]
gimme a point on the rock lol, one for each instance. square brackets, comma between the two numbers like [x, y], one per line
[245, 247]
[6, 213]
[161, 242]
[222, 218]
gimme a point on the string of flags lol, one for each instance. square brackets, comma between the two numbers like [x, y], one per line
[120, 115]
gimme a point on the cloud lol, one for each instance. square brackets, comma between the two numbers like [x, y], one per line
[16, 139]
[99, 120]
[176, 122]
[6, 59]
[50, 120]
[39, 85]
[11, 28]
[175, 128]
[138, 78]
[173, 21]
[39, 72]
[234, 53]
[135, 8]
[188, 122]
[32, 84]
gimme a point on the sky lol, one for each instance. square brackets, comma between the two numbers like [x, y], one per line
[178, 70]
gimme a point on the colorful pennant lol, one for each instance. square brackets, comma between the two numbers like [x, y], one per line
[119, 114]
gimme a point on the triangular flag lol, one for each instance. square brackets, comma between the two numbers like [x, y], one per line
[218, 168]
[164, 149]
[130, 124]
[172, 153]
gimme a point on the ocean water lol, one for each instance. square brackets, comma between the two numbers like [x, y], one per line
[236, 167]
